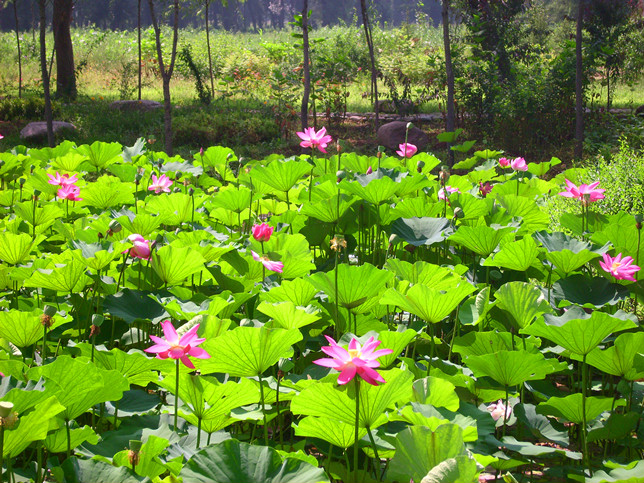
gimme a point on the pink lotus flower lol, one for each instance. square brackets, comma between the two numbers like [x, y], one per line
[504, 162]
[1, 137]
[263, 232]
[406, 150]
[268, 263]
[497, 410]
[64, 180]
[449, 189]
[618, 267]
[587, 193]
[142, 247]
[312, 139]
[69, 192]
[176, 348]
[162, 183]
[485, 188]
[519, 164]
[369, 170]
[360, 360]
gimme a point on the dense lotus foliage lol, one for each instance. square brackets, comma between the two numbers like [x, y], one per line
[166, 319]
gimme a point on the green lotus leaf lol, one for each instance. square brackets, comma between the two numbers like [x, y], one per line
[143, 223]
[539, 169]
[396, 341]
[133, 305]
[431, 305]
[233, 199]
[294, 252]
[424, 273]
[149, 463]
[79, 385]
[15, 248]
[416, 208]
[473, 208]
[422, 231]
[577, 331]
[69, 278]
[41, 218]
[298, 291]
[632, 474]
[329, 210]
[593, 293]
[527, 449]
[107, 192]
[622, 232]
[511, 368]
[616, 427]
[516, 255]
[96, 256]
[234, 462]
[523, 301]
[34, 426]
[181, 166]
[619, 360]
[481, 239]
[420, 450]
[248, 351]
[328, 400]
[436, 392]
[281, 174]
[100, 154]
[23, 328]
[533, 218]
[336, 432]
[539, 425]
[356, 284]
[567, 253]
[461, 468]
[480, 343]
[173, 264]
[171, 208]
[570, 407]
[286, 315]
[56, 442]
[74, 470]
[374, 191]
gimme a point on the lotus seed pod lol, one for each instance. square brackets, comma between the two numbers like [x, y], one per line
[115, 226]
[409, 125]
[458, 213]
[135, 445]
[49, 310]
[97, 320]
[5, 409]
[178, 175]
[393, 239]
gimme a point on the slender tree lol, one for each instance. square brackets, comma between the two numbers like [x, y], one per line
[138, 31]
[304, 111]
[212, 77]
[42, 4]
[15, 15]
[166, 72]
[65, 71]
[372, 58]
[450, 125]
[579, 93]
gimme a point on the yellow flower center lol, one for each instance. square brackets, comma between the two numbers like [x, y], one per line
[354, 353]
[615, 266]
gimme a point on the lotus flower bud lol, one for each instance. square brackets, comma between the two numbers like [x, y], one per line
[229, 157]
[201, 152]
[338, 147]
[115, 226]
[443, 176]
[409, 126]
[191, 191]
[340, 175]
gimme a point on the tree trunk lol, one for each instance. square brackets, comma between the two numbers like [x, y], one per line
[44, 73]
[212, 78]
[450, 78]
[138, 31]
[374, 74]
[15, 15]
[166, 74]
[65, 72]
[579, 93]
[304, 111]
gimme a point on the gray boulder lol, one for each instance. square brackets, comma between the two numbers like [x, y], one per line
[141, 106]
[38, 129]
[392, 134]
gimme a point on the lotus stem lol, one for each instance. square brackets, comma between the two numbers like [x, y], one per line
[176, 397]
[261, 395]
[69, 438]
[584, 384]
[1, 452]
[377, 473]
[198, 433]
[357, 430]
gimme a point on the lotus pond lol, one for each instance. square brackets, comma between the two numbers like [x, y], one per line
[322, 318]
